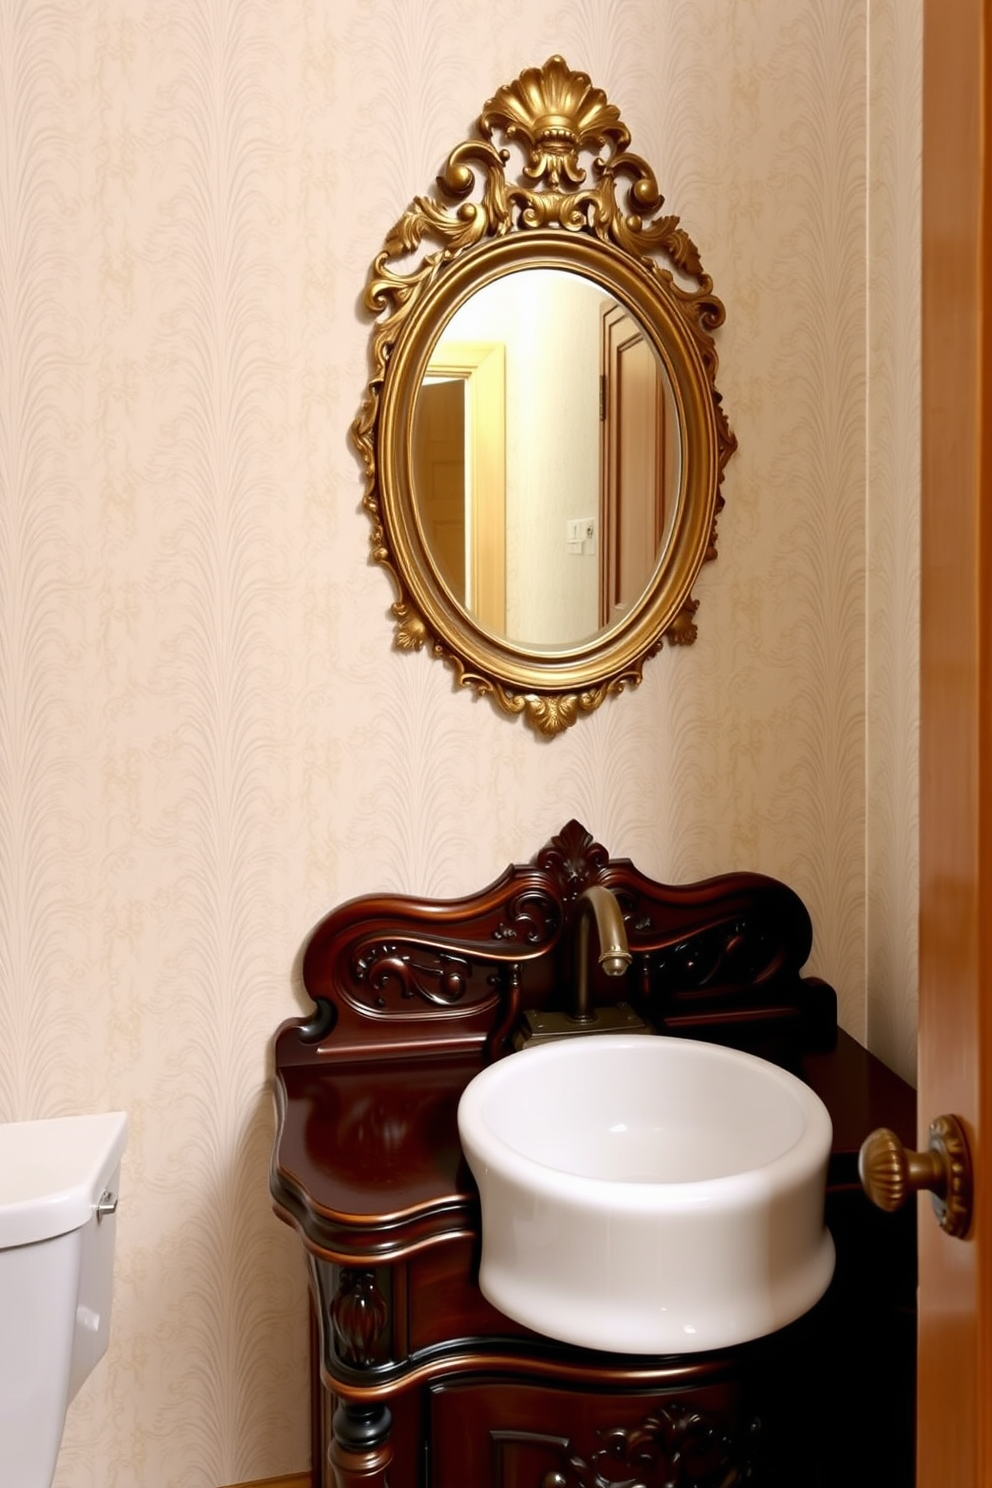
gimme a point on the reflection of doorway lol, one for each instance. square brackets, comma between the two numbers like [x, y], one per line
[635, 452]
[439, 476]
[458, 459]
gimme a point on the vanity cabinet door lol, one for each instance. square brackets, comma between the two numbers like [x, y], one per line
[502, 1435]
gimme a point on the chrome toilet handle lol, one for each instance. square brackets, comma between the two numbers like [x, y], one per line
[106, 1204]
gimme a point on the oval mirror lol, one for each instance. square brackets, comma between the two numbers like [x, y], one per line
[542, 435]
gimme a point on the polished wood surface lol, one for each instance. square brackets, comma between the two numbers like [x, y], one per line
[494, 1435]
[955, 1064]
[412, 999]
[394, 975]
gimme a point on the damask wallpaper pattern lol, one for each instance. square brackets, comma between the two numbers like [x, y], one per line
[205, 739]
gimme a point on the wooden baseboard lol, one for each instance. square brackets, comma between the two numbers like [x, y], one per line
[295, 1480]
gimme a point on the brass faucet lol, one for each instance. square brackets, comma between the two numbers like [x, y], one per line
[597, 903]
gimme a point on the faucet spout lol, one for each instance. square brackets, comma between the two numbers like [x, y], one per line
[597, 904]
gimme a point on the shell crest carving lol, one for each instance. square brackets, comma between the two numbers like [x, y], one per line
[574, 859]
[554, 113]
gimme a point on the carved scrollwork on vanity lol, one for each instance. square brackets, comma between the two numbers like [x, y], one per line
[440, 980]
[413, 998]
[673, 1447]
[393, 969]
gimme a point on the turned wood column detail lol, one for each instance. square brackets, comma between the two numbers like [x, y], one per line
[358, 1314]
[360, 1450]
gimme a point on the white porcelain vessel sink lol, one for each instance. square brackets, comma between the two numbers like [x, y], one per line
[648, 1195]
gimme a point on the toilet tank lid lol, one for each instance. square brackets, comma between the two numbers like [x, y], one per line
[53, 1173]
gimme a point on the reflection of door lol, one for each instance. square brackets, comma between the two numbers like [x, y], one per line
[473, 442]
[633, 462]
[955, 1352]
[438, 452]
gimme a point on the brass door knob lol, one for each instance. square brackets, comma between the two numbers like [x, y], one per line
[889, 1174]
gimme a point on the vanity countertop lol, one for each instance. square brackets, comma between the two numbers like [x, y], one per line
[368, 1161]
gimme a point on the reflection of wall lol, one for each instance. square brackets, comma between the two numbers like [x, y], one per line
[205, 738]
[549, 324]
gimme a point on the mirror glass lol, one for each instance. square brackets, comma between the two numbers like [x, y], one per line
[545, 458]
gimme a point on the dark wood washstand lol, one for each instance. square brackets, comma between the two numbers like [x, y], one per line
[418, 1381]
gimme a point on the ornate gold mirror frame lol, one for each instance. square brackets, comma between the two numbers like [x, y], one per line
[480, 227]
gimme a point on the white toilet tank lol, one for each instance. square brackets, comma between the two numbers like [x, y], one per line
[58, 1197]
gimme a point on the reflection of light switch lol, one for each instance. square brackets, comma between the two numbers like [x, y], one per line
[580, 535]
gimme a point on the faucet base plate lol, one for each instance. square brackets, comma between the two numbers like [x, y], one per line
[540, 1026]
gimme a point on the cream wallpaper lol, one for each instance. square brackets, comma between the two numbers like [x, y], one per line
[205, 738]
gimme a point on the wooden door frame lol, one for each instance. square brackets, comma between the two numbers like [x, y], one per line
[620, 331]
[954, 1434]
[481, 365]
